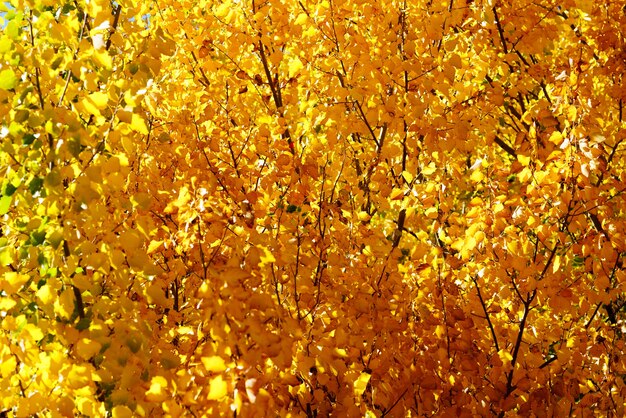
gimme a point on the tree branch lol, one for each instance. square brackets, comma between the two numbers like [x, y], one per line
[484, 306]
[500, 30]
[506, 147]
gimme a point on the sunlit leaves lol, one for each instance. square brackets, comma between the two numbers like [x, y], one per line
[218, 388]
[316, 207]
[8, 79]
[360, 383]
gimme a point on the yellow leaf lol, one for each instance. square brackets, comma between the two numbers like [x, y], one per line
[458, 244]
[430, 169]
[85, 406]
[64, 305]
[364, 216]
[86, 348]
[524, 175]
[223, 10]
[505, 356]
[156, 295]
[361, 383]
[185, 331]
[6, 304]
[276, 57]
[183, 197]
[154, 245]
[571, 113]
[477, 176]
[8, 79]
[557, 264]
[7, 366]
[214, 364]
[556, 138]
[94, 7]
[301, 19]
[121, 411]
[468, 246]
[45, 295]
[33, 331]
[87, 106]
[138, 124]
[340, 352]
[99, 99]
[267, 258]
[523, 159]
[157, 391]
[78, 377]
[440, 331]
[103, 58]
[12, 282]
[295, 65]
[7, 254]
[115, 181]
[217, 388]
[431, 213]
[396, 194]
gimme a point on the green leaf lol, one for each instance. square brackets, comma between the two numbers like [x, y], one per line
[83, 324]
[67, 7]
[13, 29]
[578, 261]
[10, 189]
[35, 185]
[74, 146]
[5, 204]
[37, 237]
[28, 139]
[8, 79]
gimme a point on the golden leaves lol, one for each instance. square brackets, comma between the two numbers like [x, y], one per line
[360, 384]
[320, 206]
[138, 124]
[86, 348]
[213, 364]
[158, 389]
[121, 411]
[218, 388]
[183, 198]
[12, 282]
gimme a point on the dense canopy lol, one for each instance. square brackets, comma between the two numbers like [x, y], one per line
[310, 208]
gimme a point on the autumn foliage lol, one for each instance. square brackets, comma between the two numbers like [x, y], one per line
[312, 208]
